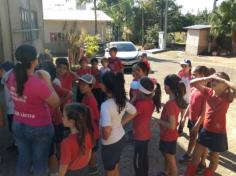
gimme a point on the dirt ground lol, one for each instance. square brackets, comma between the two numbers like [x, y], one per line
[162, 64]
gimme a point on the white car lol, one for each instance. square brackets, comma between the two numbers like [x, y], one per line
[127, 52]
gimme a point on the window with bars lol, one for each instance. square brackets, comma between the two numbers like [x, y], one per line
[29, 24]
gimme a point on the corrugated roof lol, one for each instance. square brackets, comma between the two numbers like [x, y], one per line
[75, 15]
[197, 27]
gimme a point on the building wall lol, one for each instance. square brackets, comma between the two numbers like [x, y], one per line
[203, 41]
[58, 45]
[192, 41]
[13, 29]
[5, 34]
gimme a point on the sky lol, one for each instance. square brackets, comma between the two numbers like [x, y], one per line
[193, 6]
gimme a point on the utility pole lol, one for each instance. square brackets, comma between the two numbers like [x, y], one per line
[162, 15]
[214, 5]
[142, 26]
[165, 31]
[95, 15]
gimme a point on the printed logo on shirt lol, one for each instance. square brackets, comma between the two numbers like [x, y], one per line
[24, 115]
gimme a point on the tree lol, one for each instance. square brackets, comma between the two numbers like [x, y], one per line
[223, 23]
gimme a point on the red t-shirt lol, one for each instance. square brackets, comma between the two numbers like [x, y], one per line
[32, 108]
[170, 109]
[141, 122]
[71, 152]
[216, 109]
[56, 113]
[96, 73]
[83, 71]
[91, 102]
[196, 104]
[67, 80]
[115, 64]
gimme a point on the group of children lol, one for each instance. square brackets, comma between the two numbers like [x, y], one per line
[196, 94]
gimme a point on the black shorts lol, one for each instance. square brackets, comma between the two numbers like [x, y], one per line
[80, 172]
[96, 146]
[215, 142]
[111, 154]
[168, 147]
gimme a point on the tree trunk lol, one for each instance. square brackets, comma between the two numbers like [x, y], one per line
[234, 42]
[95, 21]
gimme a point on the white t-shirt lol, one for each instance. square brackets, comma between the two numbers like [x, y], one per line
[111, 117]
[186, 82]
[103, 70]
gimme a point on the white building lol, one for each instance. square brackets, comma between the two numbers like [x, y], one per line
[58, 22]
[21, 21]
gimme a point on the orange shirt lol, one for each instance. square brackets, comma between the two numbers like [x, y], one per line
[71, 152]
[216, 109]
[170, 109]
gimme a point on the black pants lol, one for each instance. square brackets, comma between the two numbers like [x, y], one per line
[141, 162]
[10, 120]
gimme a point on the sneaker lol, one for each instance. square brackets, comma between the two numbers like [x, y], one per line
[185, 158]
[93, 170]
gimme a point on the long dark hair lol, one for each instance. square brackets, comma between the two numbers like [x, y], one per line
[25, 55]
[80, 113]
[144, 67]
[149, 84]
[178, 88]
[115, 84]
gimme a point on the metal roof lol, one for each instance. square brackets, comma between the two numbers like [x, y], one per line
[198, 27]
[75, 15]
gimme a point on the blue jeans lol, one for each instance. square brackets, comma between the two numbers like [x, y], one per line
[33, 145]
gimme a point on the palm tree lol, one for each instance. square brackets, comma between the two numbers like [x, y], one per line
[223, 22]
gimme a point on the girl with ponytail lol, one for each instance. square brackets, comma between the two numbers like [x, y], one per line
[168, 122]
[32, 94]
[76, 149]
[116, 111]
[147, 99]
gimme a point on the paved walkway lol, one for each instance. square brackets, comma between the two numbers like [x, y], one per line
[161, 67]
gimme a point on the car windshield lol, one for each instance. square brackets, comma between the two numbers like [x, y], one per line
[123, 46]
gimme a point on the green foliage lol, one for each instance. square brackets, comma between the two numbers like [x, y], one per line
[128, 14]
[91, 43]
[151, 34]
[223, 23]
[77, 40]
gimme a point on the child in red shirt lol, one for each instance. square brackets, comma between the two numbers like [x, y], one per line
[76, 149]
[97, 91]
[66, 76]
[86, 84]
[148, 97]
[195, 112]
[169, 122]
[213, 134]
[83, 69]
[144, 58]
[56, 114]
[114, 63]
[139, 70]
